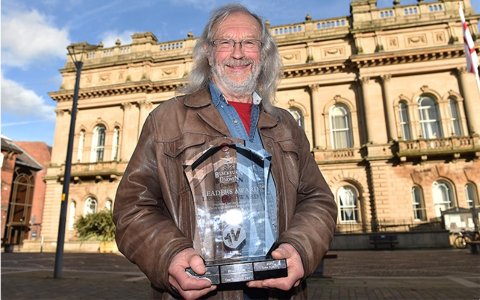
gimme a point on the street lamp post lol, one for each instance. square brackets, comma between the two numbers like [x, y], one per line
[73, 51]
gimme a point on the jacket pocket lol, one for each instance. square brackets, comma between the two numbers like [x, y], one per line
[176, 152]
[290, 159]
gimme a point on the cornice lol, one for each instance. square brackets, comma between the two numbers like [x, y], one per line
[407, 56]
[309, 69]
[357, 61]
[145, 86]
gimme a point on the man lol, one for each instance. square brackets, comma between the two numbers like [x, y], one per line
[229, 94]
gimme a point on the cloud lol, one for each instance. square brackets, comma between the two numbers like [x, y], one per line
[28, 36]
[23, 103]
[110, 37]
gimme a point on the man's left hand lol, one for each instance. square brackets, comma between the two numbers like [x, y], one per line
[294, 266]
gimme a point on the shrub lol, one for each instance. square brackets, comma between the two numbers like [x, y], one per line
[96, 227]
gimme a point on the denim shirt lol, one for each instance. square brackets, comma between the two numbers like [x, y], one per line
[267, 208]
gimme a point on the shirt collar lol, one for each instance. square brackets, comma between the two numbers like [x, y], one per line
[217, 96]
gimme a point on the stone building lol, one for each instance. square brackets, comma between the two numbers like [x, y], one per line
[24, 164]
[382, 94]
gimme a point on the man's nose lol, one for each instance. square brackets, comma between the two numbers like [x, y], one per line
[237, 51]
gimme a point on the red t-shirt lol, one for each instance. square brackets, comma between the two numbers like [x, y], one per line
[244, 110]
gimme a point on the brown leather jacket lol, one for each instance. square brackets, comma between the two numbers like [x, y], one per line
[153, 209]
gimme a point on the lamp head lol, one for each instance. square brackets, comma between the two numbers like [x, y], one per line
[76, 50]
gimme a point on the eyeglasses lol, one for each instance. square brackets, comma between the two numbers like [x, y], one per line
[226, 45]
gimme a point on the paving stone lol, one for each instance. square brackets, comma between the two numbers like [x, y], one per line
[414, 274]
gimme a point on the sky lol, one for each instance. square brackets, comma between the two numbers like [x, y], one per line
[35, 34]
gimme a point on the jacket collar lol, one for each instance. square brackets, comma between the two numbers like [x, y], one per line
[199, 99]
[202, 100]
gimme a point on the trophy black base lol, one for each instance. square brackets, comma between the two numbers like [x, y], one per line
[243, 270]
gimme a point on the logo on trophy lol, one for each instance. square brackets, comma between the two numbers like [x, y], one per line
[235, 225]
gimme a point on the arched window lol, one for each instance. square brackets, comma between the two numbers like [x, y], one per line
[348, 204]
[298, 115]
[90, 206]
[419, 213]
[341, 127]
[471, 195]
[20, 207]
[109, 205]
[404, 121]
[442, 196]
[71, 215]
[22, 198]
[429, 118]
[98, 143]
[81, 144]
[455, 117]
[116, 140]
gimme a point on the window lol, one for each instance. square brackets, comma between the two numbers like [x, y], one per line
[419, 213]
[442, 196]
[81, 143]
[404, 121]
[456, 126]
[348, 204]
[116, 139]
[109, 204]
[298, 115]
[98, 143]
[90, 206]
[341, 131]
[471, 195]
[71, 215]
[429, 118]
[20, 207]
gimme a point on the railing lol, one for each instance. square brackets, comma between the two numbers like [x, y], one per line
[337, 155]
[322, 27]
[94, 167]
[451, 144]
[171, 46]
[390, 226]
[295, 28]
[332, 23]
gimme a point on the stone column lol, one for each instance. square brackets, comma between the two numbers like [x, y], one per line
[469, 91]
[374, 115]
[59, 149]
[387, 102]
[145, 107]
[316, 113]
[129, 132]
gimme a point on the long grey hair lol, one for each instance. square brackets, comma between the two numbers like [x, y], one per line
[270, 73]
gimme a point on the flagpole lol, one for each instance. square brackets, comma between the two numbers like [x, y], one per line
[478, 82]
[470, 53]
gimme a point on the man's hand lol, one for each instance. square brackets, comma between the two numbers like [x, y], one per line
[189, 287]
[295, 270]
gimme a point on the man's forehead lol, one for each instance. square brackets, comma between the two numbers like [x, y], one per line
[237, 21]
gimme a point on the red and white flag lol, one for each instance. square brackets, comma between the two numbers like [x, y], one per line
[470, 53]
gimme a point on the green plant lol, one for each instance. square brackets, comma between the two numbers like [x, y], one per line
[96, 227]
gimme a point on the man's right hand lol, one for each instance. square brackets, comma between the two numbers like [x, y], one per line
[189, 287]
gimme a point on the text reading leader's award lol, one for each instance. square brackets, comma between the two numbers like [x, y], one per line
[235, 218]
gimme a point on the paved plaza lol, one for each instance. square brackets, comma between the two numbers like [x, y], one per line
[425, 274]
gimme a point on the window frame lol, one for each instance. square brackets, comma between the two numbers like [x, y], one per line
[404, 121]
[354, 207]
[440, 189]
[87, 208]
[341, 135]
[429, 117]
[457, 129]
[418, 204]
[98, 143]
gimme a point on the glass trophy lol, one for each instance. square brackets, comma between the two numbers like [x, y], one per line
[233, 231]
